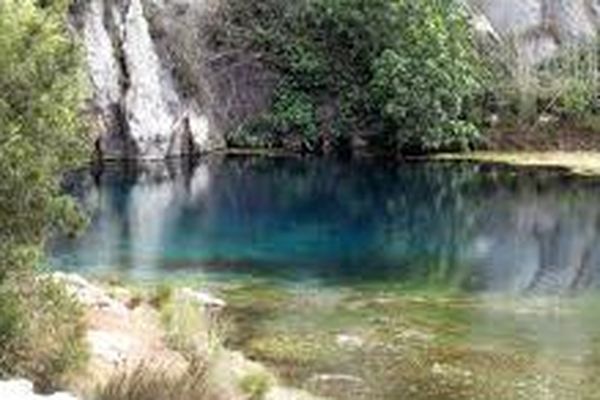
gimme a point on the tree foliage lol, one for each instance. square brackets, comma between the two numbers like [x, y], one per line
[40, 134]
[396, 71]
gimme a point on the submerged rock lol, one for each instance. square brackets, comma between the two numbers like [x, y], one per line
[206, 300]
[340, 383]
[283, 393]
[350, 341]
[336, 378]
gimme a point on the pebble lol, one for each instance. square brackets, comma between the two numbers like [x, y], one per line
[349, 341]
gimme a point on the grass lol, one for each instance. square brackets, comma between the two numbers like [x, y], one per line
[150, 382]
[580, 163]
[188, 328]
[198, 381]
[42, 331]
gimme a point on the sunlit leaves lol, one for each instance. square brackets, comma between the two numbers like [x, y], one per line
[40, 100]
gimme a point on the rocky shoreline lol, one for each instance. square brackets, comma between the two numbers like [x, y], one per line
[125, 331]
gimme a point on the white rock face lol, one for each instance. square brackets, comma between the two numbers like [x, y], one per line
[138, 110]
[103, 68]
[149, 118]
[23, 390]
[540, 27]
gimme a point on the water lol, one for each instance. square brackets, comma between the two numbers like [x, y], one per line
[416, 280]
[472, 226]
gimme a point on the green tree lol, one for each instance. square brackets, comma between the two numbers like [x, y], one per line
[40, 135]
[425, 80]
[403, 71]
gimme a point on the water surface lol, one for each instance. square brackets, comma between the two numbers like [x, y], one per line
[364, 279]
[477, 227]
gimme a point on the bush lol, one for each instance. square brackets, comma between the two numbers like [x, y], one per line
[571, 81]
[423, 83]
[401, 71]
[256, 385]
[40, 134]
[162, 296]
[291, 123]
[41, 331]
[565, 86]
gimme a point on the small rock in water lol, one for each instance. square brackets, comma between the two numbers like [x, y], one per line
[336, 378]
[282, 393]
[338, 383]
[437, 369]
[202, 298]
[545, 119]
[349, 341]
[447, 370]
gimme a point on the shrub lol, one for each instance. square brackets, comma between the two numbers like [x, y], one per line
[423, 83]
[188, 327]
[291, 123]
[256, 385]
[400, 70]
[162, 295]
[41, 331]
[565, 85]
[40, 134]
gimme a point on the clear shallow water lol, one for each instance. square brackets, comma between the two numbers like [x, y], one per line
[370, 280]
[468, 226]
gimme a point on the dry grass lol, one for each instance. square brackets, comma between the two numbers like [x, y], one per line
[580, 163]
[188, 329]
[148, 381]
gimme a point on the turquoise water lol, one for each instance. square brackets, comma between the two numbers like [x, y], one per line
[416, 281]
[476, 227]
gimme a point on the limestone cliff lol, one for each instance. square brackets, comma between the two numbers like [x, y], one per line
[138, 108]
[156, 93]
[538, 28]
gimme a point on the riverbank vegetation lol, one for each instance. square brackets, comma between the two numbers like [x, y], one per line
[184, 357]
[403, 76]
[399, 74]
[40, 136]
[549, 106]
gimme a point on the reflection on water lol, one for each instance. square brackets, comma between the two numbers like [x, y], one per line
[476, 227]
[352, 245]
